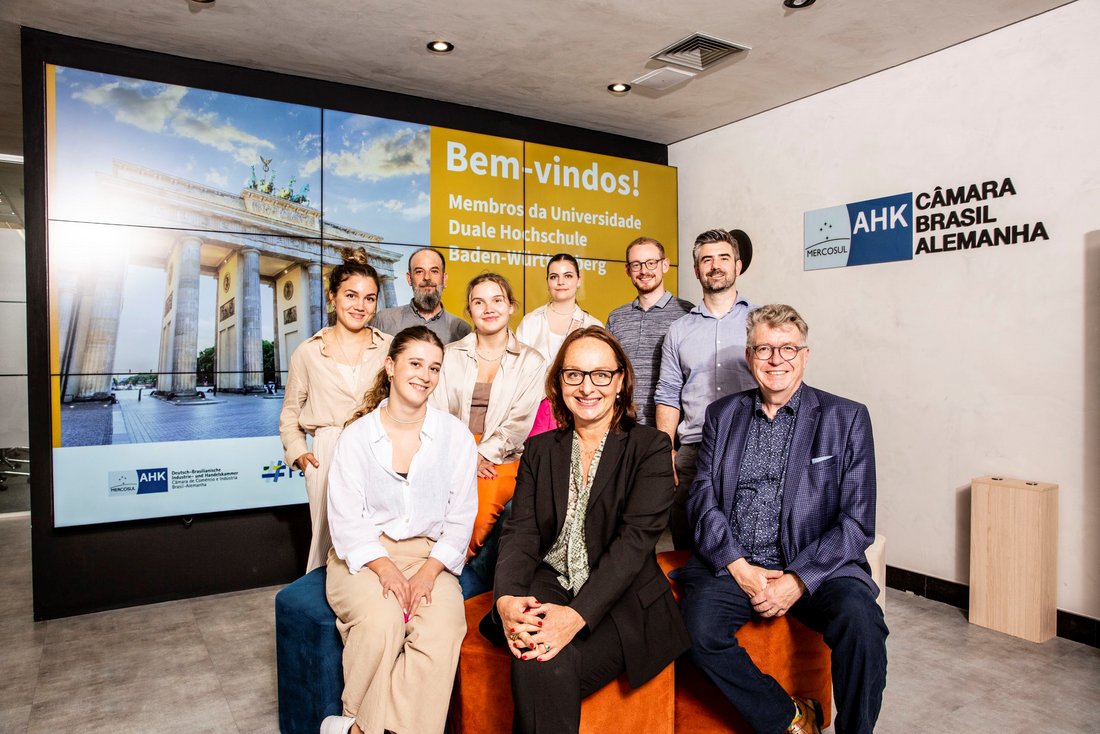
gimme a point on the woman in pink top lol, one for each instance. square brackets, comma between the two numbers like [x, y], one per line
[544, 419]
[329, 374]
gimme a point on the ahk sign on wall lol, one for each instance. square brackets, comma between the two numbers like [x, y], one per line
[960, 219]
[864, 232]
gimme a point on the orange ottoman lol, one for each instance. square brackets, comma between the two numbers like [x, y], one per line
[784, 648]
[482, 699]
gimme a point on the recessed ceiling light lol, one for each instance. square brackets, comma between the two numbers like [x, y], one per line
[440, 46]
[618, 88]
[796, 4]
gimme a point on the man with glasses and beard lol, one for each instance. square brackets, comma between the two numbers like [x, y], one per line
[702, 360]
[427, 277]
[640, 326]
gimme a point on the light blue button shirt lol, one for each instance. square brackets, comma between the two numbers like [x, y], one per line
[703, 359]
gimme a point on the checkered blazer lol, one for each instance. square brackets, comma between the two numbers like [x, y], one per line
[827, 520]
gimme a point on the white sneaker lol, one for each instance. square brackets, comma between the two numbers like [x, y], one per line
[337, 724]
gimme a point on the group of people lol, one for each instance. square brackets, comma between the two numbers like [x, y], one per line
[448, 460]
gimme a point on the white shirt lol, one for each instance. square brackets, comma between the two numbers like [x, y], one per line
[534, 331]
[367, 498]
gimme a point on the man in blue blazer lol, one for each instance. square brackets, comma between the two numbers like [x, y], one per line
[783, 509]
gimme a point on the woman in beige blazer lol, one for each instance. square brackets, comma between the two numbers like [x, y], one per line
[546, 327]
[329, 374]
[493, 383]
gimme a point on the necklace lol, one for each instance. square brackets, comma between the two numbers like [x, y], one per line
[398, 420]
[489, 359]
[358, 357]
[559, 313]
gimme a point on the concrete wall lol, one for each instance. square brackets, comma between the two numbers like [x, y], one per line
[974, 362]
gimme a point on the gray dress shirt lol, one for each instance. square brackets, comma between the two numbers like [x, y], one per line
[642, 332]
[448, 327]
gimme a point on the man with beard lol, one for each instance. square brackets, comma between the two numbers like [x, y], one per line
[640, 326]
[428, 277]
[702, 360]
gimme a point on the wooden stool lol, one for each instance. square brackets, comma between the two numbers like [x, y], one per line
[482, 699]
[784, 648]
[1014, 557]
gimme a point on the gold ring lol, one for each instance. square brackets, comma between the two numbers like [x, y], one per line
[514, 636]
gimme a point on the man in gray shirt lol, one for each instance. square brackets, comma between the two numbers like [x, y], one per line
[702, 359]
[640, 326]
[428, 277]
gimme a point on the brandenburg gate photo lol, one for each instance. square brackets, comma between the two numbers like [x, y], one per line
[258, 235]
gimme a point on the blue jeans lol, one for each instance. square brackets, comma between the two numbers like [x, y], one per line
[842, 610]
[477, 577]
[472, 584]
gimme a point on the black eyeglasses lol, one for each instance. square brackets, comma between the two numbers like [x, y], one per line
[600, 378]
[787, 351]
[636, 265]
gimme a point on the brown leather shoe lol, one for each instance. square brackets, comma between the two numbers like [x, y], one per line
[809, 717]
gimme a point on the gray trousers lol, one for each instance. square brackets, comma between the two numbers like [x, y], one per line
[683, 536]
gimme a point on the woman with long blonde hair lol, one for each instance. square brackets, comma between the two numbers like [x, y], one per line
[402, 499]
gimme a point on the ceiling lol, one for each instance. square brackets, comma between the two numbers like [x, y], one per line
[547, 60]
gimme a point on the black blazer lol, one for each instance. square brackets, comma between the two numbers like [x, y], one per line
[627, 511]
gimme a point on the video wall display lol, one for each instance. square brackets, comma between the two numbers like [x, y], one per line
[190, 235]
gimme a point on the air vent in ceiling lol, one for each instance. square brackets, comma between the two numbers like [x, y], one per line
[698, 51]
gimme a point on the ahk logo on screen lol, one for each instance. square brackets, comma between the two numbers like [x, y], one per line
[861, 233]
[150, 481]
[137, 481]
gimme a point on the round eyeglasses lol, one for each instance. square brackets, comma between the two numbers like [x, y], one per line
[636, 265]
[787, 351]
[600, 378]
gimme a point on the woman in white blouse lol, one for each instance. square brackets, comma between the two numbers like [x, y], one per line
[402, 499]
[329, 372]
[493, 383]
[546, 327]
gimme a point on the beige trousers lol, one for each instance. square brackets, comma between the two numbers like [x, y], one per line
[324, 446]
[397, 675]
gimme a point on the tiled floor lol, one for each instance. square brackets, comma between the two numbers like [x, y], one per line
[208, 665]
[198, 665]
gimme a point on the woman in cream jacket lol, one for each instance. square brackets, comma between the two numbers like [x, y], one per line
[493, 383]
[329, 373]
